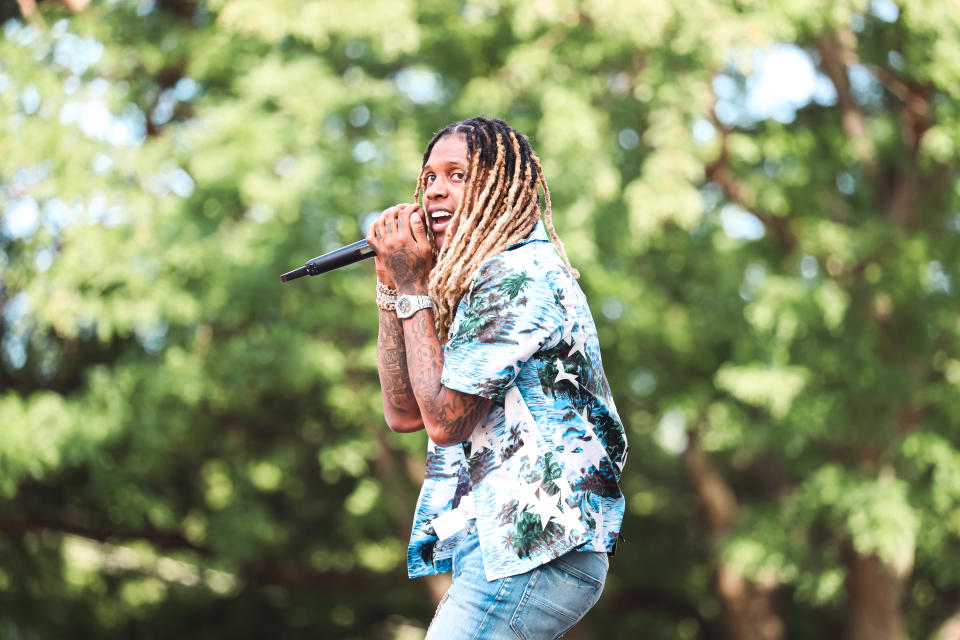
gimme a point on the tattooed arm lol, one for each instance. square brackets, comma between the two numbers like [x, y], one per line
[399, 405]
[403, 249]
[449, 416]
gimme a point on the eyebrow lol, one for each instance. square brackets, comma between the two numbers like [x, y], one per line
[460, 162]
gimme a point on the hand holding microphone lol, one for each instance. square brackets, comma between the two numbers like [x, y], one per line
[404, 252]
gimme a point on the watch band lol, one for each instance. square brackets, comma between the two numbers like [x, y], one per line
[408, 305]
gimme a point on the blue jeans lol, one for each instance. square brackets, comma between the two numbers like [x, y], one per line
[542, 603]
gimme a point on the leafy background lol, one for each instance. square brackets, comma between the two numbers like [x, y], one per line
[763, 198]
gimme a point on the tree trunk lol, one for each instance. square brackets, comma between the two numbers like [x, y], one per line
[874, 592]
[747, 608]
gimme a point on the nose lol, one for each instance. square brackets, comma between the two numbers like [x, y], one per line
[436, 190]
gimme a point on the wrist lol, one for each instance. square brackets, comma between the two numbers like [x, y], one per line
[413, 288]
[407, 304]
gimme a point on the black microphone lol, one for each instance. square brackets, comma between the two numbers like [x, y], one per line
[334, 260]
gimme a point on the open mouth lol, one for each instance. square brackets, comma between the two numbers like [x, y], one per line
[439, 220]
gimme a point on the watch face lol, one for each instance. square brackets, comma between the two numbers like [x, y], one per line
[407, 305]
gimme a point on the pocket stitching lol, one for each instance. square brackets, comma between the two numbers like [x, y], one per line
[527, 588]
[528, 595]
[576, 572]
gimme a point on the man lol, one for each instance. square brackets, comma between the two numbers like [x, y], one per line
[486, 341]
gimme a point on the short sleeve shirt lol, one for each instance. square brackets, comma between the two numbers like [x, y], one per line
[540, 472]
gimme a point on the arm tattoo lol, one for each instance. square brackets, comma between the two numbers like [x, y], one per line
[451, 414]
[398, 398]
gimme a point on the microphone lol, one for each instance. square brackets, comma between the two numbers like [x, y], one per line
[334, 260]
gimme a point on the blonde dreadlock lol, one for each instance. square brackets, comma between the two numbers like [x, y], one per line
[500, 206]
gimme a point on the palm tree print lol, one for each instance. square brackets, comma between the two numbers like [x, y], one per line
[481, 465]
[547, 370]
[529, 536]
[485, 321]
[552, 470]
[602, 481]
[513, 444]
[508, 513]
[435, 465]
[496, 388]
[512, 285]
[610, 433]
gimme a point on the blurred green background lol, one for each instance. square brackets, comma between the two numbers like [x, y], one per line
[763, 198]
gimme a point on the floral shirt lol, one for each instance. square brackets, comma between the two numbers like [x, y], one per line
[540, 473]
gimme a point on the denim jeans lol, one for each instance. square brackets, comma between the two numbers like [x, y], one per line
[542, 603]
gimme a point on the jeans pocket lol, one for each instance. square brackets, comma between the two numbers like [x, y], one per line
[559, 594]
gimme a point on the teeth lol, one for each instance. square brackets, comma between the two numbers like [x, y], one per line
[441, 214]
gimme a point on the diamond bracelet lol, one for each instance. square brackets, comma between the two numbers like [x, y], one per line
[386, 297]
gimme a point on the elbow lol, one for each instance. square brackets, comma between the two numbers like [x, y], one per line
[404, 425]
[443, 437]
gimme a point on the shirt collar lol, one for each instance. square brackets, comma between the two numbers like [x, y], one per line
[539, 233]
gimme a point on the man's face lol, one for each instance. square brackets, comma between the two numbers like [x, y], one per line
[445, 171]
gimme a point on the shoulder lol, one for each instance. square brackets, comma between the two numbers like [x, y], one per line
[527, 267]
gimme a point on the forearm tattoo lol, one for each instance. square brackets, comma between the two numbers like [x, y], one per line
[453, 413]
[398, 395]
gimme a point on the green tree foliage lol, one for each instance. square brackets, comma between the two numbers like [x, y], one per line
[189, 447]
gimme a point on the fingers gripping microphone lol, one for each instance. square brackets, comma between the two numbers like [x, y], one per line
[334, 260]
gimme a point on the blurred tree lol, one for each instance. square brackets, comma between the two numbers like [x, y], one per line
[763, 199]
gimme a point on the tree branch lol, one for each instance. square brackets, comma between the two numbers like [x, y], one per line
[717, 499]
[720, 173]
[835, 53]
